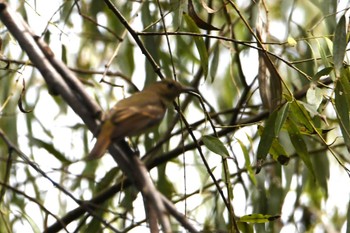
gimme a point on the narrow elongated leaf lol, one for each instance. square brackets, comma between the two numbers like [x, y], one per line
[272, 127]
[107, 180]
[34, 226]
[199, 22]
[339, 44]
[164, 184]
[215, 145]
[270, 85]
[323, 54]
[281, 117]
[247, 162]
[321, 162]
[345, 82]
[215, 62]
[267, 137]
[323, 72]
[300, 146]
[51, 149]
[278, 153]
[342, 109]
[314, 97]
[258, 218]
[301, 116]
[202, 50]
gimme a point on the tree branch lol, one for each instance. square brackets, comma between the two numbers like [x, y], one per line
[74, 94]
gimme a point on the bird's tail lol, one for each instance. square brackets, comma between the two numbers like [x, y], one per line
[102, 144]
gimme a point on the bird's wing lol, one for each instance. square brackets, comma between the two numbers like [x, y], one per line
[132, 120]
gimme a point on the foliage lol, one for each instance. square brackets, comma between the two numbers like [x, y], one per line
[263, 148]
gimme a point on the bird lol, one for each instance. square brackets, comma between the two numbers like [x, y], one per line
[136, 114]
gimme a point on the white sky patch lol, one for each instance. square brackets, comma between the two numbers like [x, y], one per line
[278, 30]
[249, 60]
[298, 16]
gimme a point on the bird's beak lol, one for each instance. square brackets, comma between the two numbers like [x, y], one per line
[188, 89]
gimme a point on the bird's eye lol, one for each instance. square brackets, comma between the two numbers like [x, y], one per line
[171, 85]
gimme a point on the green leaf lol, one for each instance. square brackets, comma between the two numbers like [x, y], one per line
[51, 149]
[342, 109]
[215, 62]
[64, 54]
[300, 115]
[107, 180]
[267, 137]
[258, 218]
[247, 162]
[202, 49]
[321, 162]
[300, 145]
[278, 153]
[323, 72]
[245, 227]
[272, 128]
[215, 145]
[339, 44]
[314, 97]
[324, 58]
[164, 185]
[281, 117]
[31, 222]
[345, 82]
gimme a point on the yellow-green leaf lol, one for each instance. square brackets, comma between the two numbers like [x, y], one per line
[278, 153]
[247, 162]
[258, 218]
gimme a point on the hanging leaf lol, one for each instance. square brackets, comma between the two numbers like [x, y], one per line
[300, 145]
[247, 162]
[342, 109]
[314, 97]
[278, 153]
[300, 115]
[270, 85]
[281, 117]
[51, 149]
[339, 44]
[266, 140]
[323, 72]
[31, 222]
[215, 145]
[272, 127]
[198, 21]
[215, 62]
[202, 49]
[21, 99]
[107, 180]
[207, 8]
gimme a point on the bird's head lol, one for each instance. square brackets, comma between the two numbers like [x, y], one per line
[168, 89]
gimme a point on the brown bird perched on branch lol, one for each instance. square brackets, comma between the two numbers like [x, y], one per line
[136, 114]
